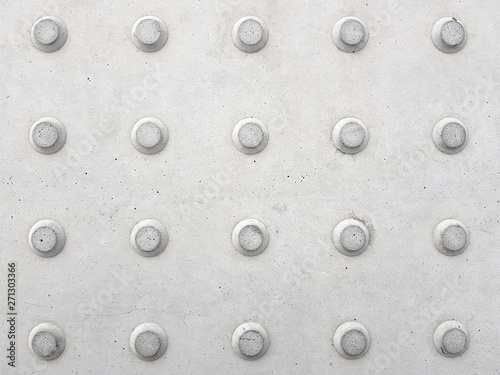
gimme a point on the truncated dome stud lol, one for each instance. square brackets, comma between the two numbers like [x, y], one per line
[451, 237]
[351, 340]
[250, 341]
[47, 341]
[47, 135]
[451, 339]
[351, 237]
[250, 136]
[148, 341]
[149, 34]
[450, 136]
[47, 238]
[250, 237]
[350, 34]
[149, 135]
[49, 34]
[149, 238]
[449, 35]
[350, 135]
[250, 34]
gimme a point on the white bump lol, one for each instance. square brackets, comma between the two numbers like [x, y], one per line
[149, 238]
[450, 136]
[451, 339]
[47, 135]
[250, 237]
[250, 34]
[451, 237]
[250, 136]
[149, 34]
[250, 341]
[449, 35]
[351, 340]
[49, 34]
[350, 135]
[47, 341]
[351, 237]
[149, 136]
[47, 238]
[148, 341]
[350, 34]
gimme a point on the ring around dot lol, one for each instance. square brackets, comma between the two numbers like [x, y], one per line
[47, 238]
[450, 135]
[250, 136]
[451, 338]
[47, 341]
[351, 237]
[350, 135]
[350, 34]
[49, 34]
[351, 340]
[250, 34]
[250, 341]
[47, 135]
[451, 237]
[149, 238]
[449, 35]
[250, 237]
[149, 34]
[148, 341]
[149, 135]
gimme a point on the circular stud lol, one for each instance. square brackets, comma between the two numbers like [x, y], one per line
[351, 237]
[250, 136]
[149, 135]
[47, 238]
[49, 34]
[351, 340]
[451, 339]
[250, 237]
[47, 135]
[451, 237]
[250, 34]
[148, 341]
[350, 34]
[449, 35]
[450, 136]
[149, 238]
[350, 135]
[47, 341]
[250, 341]
[149, 34]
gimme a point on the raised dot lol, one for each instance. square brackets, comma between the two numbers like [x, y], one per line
[149, 136]
[149, 238]
[250, 136]
[250, 34]
[148, 341]
[350, 34]
[350, 135]
[351, 340]
[49, 34]
[450, 136]
[250, 341]
[47, 341]
[449, 35]
[149, 34]
[47, 238]
[451, 338]
[47, 135]
[451, 237]
[250, 237]
[351, 237]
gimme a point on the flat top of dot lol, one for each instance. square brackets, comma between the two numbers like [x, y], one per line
[44, 344]
[353, 342]
[45, 134]
[250, 238]
[352, 238]
[454, 238]
[251, 343]
[352, 32]
[148, 31]
[250, 135]
[44, 239]
[452, 33]
[147, 344]
[46, 31]
[454, 341]
[148, 238]
[250, 32]
[453, 135]
[148, 135]
[352, 135]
